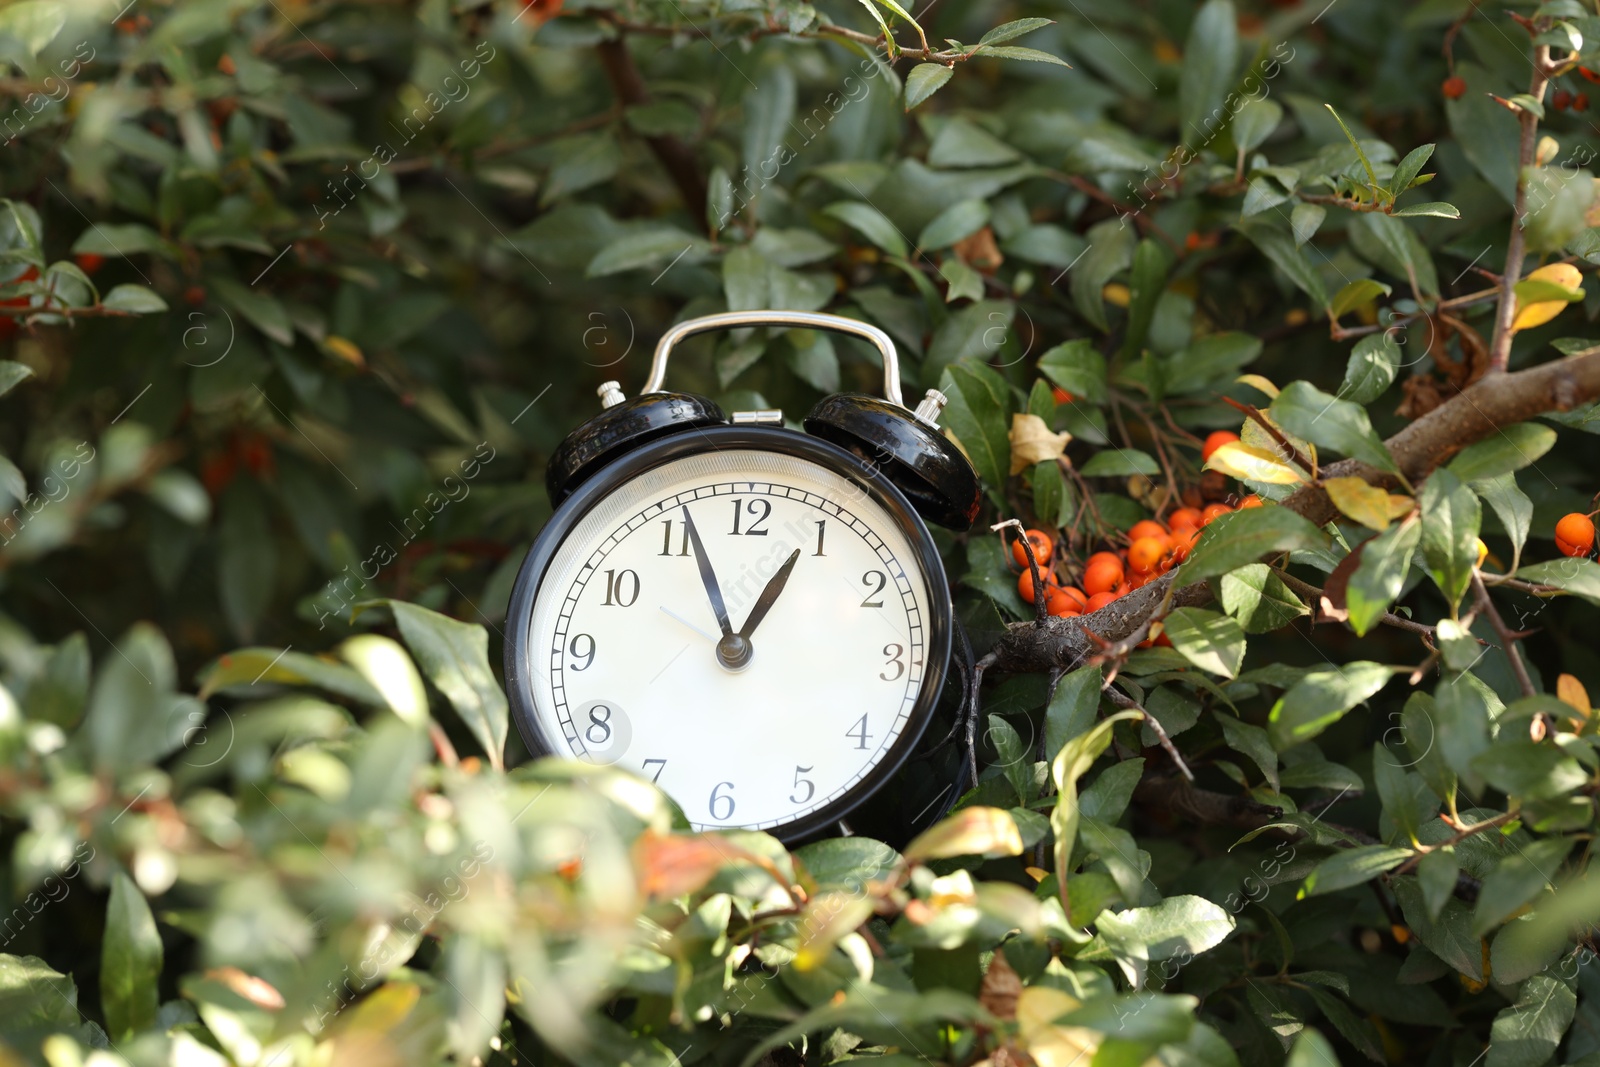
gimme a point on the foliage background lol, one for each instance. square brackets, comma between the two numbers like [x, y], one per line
[301, 295]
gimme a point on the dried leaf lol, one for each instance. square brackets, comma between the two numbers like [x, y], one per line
[1367, 504]
[1000, 989]
[1032, 442]
[670, 865]
[1248, 463]
[1570, 691]
[969, 832]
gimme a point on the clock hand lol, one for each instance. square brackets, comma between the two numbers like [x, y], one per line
[769, 596]
[707, 576]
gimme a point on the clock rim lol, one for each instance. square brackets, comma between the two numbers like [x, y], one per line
[941, 609]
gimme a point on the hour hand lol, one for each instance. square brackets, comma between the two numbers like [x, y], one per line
[769, 596]
[708, 576]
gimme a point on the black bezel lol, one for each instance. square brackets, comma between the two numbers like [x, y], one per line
[519, 614]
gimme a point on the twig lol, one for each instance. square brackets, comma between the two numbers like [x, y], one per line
[1462, 833]
[1500, 343]
[1122, 700]
[1288, 446]
[1388, 618]
[1508, 640]
[1040, 614]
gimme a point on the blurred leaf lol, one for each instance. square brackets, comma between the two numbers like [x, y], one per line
[455, 657]
[130, 963]
[870, 223]
[1356, 293]
[1526, 1034]
[969, 832]
[33, 994]
[1211, 60]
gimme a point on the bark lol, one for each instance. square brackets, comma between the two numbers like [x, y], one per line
[674, 156]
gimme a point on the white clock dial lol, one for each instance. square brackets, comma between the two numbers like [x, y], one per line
[629, 663]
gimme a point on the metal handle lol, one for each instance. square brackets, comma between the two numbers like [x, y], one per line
[813, 320]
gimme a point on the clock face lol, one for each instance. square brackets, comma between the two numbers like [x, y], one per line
[800, 693]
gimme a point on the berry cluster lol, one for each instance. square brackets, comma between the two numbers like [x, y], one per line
[1152, 548]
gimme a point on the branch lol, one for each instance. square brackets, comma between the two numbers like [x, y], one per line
[675, 156]
[1121, 700]
[1500, 343]
[1288, 446]
[1508, 640]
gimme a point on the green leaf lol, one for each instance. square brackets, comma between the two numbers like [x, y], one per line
[60, 692]
[1527, 1033]
[1254, 122]
[130, 960]
[133, 298]
[1321, 698]
[1356, 293]
[1008, 31]
[961, 219]
[1259, 599]
[1072, 708]
[1119, 463]
[1437, 873]
[245, 668]
[1030, 55]
[973, 334]
[653, 248]
[1179, 926]
[260, 310]
[1052, 498]
[1433, 209]
[1283, 249]
[1351, 866]
[870, 223]
[1372, 178]
[1328, 422]
[1374, 362]
[33, 24]
[1580, 577]
[1517, 880]
[1078, 368]
[1451, 516]
[1242, 537]
[118, 239]
[1380, 574]
[387, 668]
[32, 994]
[1406, 171]
[1305, 220]
[1110, 252]
[1393, 246]
[1147, 281]
[769, 106]
[455, 657]
[1541, 291]
[1529, 770]
[1513, 448]
[979, 415]
[1210, 62]
[13, 373]
[924, 80]
[1211, 641]
[1210, 361]
[1072, 762]
[135, 715]
[847, 862]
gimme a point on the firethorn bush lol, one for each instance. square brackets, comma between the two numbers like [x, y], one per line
[1270, 320]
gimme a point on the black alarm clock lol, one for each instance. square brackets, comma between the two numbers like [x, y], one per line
[754, 618]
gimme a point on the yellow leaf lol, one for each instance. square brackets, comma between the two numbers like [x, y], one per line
[1537, 314]
[1116, 294]
[345, 350]
[1367, 504]
[969, 832]
[827, 918]
[1255, 435]
[1571, 692]
[1032, 442]
[1256, 381]
[1040, 1005]
[1400, 505]
[1239, 460]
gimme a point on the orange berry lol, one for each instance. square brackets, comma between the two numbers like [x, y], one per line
[1251, 501]
[1575, 535]
[89, 262]
[1216, 440]
[1162, 640]
[1101, 576]
[1061, 395]
[1183, 543]
[1112, 556]
[1076, 595]
[1100, 600]
[1580, 102]
[1454, 87]
[1043, 547]
[1146, 528]
[1057, 602]
[1025, 584]
[1561, 99]
[1184, 518]
[1145, 554]
[1212, 511]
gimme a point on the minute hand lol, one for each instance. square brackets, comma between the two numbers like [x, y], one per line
[707, 576]
[769, 596]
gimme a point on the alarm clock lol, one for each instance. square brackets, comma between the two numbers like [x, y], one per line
[752, 617]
